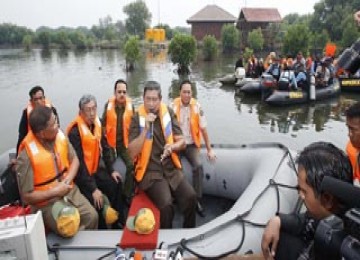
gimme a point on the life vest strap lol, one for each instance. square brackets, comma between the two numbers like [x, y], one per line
[52, 179]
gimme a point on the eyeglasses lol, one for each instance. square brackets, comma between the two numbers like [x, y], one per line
[121, 91]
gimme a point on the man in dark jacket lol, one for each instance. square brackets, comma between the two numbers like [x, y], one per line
[98, 182]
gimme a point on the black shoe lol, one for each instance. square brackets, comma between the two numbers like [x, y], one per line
[200, 209]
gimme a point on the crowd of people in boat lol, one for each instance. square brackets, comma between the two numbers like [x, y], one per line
[291, 73]
[70, 176]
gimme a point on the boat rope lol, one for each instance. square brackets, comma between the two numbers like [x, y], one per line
[240, 218]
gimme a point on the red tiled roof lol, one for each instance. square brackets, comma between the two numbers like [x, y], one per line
[212, 13]
[260, 15]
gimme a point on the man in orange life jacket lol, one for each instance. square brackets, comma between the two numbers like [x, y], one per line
[353, 145]
[155, 138]
[98, 182]
[37, 98]
[193, 125]
[116, 123]
[47, 165]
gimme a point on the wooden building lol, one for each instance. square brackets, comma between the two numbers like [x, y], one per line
[209, 21]
[253, 18]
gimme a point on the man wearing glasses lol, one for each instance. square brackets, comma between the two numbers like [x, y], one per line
[96, 178]
[116, 121]
[37, 98]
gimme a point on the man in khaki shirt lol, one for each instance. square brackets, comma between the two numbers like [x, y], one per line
[58, 196]
[157, 169]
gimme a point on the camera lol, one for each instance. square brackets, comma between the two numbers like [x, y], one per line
[338, 237]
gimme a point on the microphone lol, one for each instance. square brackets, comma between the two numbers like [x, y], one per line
[152, 123]
[346, 192]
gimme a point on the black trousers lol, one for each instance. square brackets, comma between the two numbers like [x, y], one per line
[112, 190]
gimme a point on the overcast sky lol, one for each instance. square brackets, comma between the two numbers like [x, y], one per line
[73, 13]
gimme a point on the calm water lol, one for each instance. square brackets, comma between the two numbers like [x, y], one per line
[232, 119]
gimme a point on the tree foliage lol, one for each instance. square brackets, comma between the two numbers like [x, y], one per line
[27, 41]
[331, 15]
[132, 52]
[44, 38]
[297, 38]
[318, 41]
[139, 18]
[255, 39]
[229, 38]
[13, 34]
[182, 50]
[210, 47]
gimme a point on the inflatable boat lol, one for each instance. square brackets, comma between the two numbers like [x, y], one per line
[285, 98]
[257, 86]
[228, 79]
[246, 186]
[350, 84]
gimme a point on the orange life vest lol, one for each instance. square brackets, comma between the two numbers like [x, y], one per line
[111, 122]
[144, 156]
[194, 119]
[30, 108]
[353, 154]
[43, 162]
[90, 142]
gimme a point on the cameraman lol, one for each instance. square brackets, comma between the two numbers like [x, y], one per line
[291, 236]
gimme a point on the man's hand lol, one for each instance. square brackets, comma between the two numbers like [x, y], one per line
[61, 189]
[211, 155]
[98, 199]
[167, 151]
[270, 238]
[116, 176]
[149, 119]
[12, 164]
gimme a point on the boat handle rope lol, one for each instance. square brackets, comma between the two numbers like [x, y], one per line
[240, 218]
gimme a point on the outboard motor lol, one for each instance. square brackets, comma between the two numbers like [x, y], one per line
[312, 89]
[240, 73]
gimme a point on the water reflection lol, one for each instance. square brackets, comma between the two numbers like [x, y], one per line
[295, 118]
[63, 56]
[66, 75]
[46, 55]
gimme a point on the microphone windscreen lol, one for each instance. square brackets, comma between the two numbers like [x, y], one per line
[346, 192]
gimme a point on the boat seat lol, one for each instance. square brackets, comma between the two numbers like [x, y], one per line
[131, 239]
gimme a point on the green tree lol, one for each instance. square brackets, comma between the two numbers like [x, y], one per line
[13, 34]
[44, 39]
[182, 50]
[350, 33]
[132, 52]
[256, 40]
[319, 40]
[297, 38]
[210, 48]
[62, 38]
[27, 41]
[229, 38]
[78, 39]
[139, 18]
[330, 15]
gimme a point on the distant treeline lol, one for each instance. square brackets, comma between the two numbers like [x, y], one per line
[104, 35]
